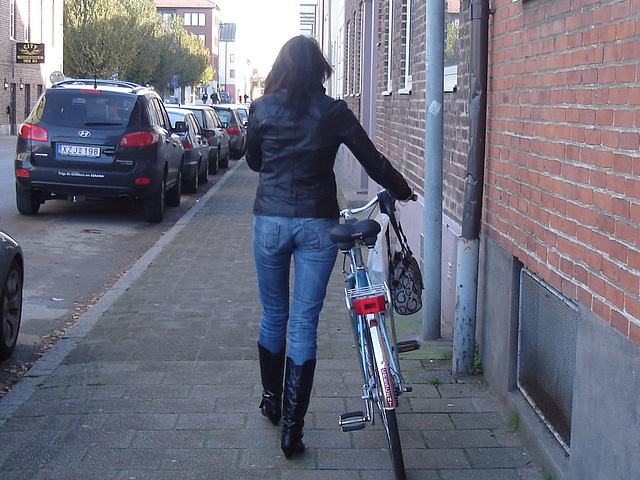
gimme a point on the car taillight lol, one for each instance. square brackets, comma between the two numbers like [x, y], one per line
[142, 181]
[139, 139]
[233, 130]
[186, 144]
[33, 132]
[22, 172]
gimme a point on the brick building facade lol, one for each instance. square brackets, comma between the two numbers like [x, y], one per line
[558, 316]
[562, 207]
[38, 24]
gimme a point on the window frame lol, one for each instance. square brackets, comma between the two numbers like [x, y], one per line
[408, 72]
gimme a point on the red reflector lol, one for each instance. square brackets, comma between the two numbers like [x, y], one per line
[22, 172]
[233, 130]
[363, 306]
[33, 132]
[139, 139]
[142, 181]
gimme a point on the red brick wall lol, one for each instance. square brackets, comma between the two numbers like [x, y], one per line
[400, 126]
[562, 189]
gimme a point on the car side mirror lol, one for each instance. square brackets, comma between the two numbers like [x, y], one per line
[208, 132]
[180, 127]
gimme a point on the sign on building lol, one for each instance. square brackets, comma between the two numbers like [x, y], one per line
[30, 53]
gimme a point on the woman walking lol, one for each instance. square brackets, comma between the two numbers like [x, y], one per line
[293, 136]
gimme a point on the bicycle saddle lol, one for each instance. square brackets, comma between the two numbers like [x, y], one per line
[345, 234]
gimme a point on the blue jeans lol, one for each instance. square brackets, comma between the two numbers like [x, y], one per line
[275, 241]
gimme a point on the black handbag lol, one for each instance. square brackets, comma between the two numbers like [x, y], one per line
[405, 277]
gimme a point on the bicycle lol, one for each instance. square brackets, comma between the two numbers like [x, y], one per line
[371, 311]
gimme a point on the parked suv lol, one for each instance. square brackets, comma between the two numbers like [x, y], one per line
[98, 140]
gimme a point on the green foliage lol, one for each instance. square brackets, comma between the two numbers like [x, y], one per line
[514, 420]
[129, 39]
[434, 381]
[476, 368]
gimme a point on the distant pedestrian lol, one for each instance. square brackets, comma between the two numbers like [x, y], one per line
[246, 98]
[205, 97]
[294, 133]
[214, 98]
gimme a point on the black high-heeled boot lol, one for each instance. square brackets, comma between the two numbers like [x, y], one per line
[297, 392]
[271, 373]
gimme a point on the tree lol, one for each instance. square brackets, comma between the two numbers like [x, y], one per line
[129, 39]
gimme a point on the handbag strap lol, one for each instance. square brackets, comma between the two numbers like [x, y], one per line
[402, 239]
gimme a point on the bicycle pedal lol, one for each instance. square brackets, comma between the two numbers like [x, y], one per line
[351, 428]
[352, 421]
[408, 346]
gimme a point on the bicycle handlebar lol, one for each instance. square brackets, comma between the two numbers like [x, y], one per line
[383, 197]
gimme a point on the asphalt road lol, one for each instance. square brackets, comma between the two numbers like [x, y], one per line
[73, 253]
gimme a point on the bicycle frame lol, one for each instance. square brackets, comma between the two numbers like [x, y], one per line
[369, 310]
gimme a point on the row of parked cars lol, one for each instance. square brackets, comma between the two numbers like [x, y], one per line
[109, 140]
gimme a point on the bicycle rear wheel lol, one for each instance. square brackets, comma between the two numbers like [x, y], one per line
[393, 437]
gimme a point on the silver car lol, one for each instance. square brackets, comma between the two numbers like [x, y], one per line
[11, 281]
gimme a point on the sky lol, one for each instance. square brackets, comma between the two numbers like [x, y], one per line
[262, 27]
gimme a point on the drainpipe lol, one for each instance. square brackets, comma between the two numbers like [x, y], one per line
[468, 244]
[434, 97]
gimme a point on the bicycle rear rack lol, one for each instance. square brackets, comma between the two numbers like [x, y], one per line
[371, 291]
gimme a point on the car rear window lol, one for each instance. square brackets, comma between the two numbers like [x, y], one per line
[70, 108]
[224, 115]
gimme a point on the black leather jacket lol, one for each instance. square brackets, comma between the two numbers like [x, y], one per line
[295, 157]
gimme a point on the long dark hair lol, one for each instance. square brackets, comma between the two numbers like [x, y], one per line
[300, 68]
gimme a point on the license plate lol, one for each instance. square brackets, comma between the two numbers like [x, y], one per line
[78, 151]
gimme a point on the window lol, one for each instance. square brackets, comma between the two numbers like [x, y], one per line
[451, 46]
[203, 38]
[12, 19]
[194, 19]
[232, 73]
[406, 38]
[349, 57]
[388, 34]
[232, 57]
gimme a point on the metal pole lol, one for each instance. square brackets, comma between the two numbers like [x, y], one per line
[468, 245]
[434, 96]
[226, 56]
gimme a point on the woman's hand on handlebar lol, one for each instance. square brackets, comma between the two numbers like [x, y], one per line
[412, 198]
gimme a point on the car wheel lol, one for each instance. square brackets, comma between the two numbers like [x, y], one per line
[27, 205]
[10, 310]
[191, 184]
[175, 194]
[213, 162]
[225, 161]
[154, 205]
[204, 174]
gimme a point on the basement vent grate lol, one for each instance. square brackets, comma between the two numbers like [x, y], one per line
[548, 331]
